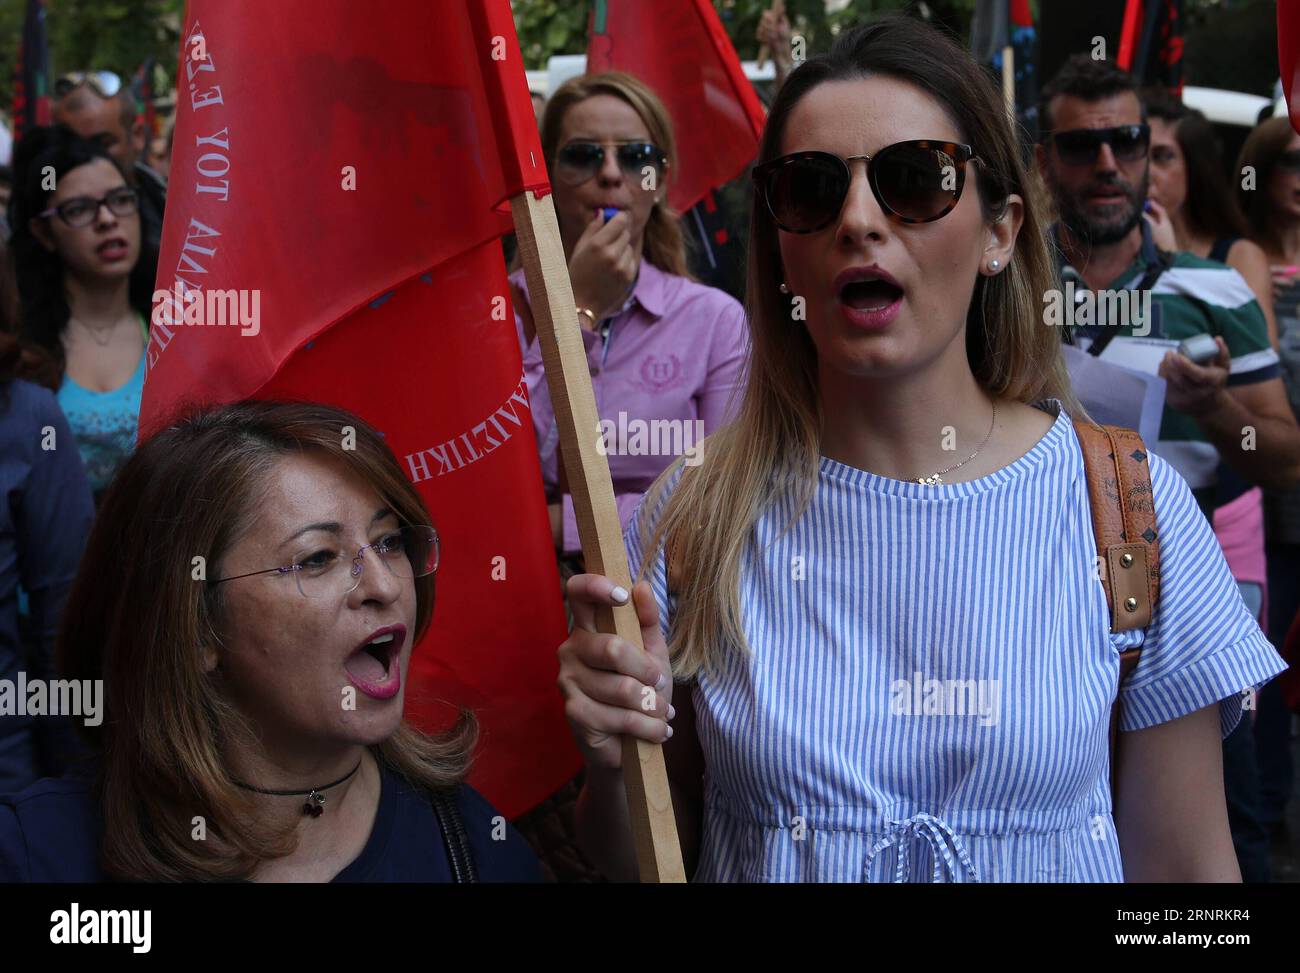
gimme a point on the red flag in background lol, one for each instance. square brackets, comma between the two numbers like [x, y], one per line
[142, 92]
[680, 49]
[1288, 55]
[32, 72]
[1151, 43]
[351, 166]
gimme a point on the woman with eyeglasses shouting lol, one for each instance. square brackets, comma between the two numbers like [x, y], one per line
[84, 290]
[250, 597]
[664, 351]
[890, 658]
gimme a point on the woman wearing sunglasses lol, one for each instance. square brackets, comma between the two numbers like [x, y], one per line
[250, 597]
[84, 289]
[894, 657]
[660, 346]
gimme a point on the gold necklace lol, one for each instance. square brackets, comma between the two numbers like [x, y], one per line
[936, 479]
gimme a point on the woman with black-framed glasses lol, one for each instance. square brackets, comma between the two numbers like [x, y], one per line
[877, 645]
[84, 288]
[250, 597]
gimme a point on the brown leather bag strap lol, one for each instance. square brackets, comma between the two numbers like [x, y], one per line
[1128, 546]
[1123, 522]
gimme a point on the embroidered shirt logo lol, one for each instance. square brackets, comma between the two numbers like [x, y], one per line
[658, 375]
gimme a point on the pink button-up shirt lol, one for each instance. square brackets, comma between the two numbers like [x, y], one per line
[664, 378]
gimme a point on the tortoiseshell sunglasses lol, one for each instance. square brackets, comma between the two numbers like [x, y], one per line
[918, 181]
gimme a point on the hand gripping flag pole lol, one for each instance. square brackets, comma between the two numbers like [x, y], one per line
[649, 801]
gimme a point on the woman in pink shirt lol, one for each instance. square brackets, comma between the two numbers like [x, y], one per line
[665, 351]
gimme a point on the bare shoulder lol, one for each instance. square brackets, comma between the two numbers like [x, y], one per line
[1248, 258]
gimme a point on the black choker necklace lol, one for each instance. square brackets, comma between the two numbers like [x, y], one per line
[315, 805]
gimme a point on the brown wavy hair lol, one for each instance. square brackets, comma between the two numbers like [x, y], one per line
[137, 619]
[1266, 142]
[663, 243]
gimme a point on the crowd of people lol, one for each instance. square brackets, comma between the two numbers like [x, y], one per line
[894, 483]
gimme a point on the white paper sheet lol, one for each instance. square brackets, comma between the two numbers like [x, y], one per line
[1117, 395]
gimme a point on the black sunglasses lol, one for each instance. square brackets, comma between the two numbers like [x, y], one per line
[1081, 146]
[1289, 160]
[579, 161]
[914, 182]
[105, 83]
[83, 210]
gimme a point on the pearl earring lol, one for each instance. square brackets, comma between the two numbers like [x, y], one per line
[994, 264]
[784, 289]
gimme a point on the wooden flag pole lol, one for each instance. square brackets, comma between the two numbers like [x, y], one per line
[649, 801]
[1009, 80]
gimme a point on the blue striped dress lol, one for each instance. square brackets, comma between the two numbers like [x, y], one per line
[932, 672]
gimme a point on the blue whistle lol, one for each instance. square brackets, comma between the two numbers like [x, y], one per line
[610, 212]
[1146, 207]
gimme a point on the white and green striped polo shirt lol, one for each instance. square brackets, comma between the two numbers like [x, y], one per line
[1198, 296]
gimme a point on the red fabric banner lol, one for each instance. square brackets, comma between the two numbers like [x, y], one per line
[1288, 55]
[1131, 34]
[680, 49]
[342, 173]
[31, 106]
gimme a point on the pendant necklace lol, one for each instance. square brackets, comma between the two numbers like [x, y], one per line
[936, 479]
[96, 332]
[315, 804]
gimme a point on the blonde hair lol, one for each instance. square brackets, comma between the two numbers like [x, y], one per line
[663, 243]
[770, 453]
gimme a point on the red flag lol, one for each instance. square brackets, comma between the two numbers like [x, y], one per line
[1129, 37]
[349, 183]
[32, 73]
[1288, 55]
[142, 91]
[1151, 43]
[679, 48]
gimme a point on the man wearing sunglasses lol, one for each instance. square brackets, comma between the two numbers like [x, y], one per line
[97, 106]
[1094, 160]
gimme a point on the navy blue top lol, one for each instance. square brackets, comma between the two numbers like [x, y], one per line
[45, 515]
[51, 832]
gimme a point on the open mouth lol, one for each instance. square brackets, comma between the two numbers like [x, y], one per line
[373, 667]
[112, 249]
[869, 295]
